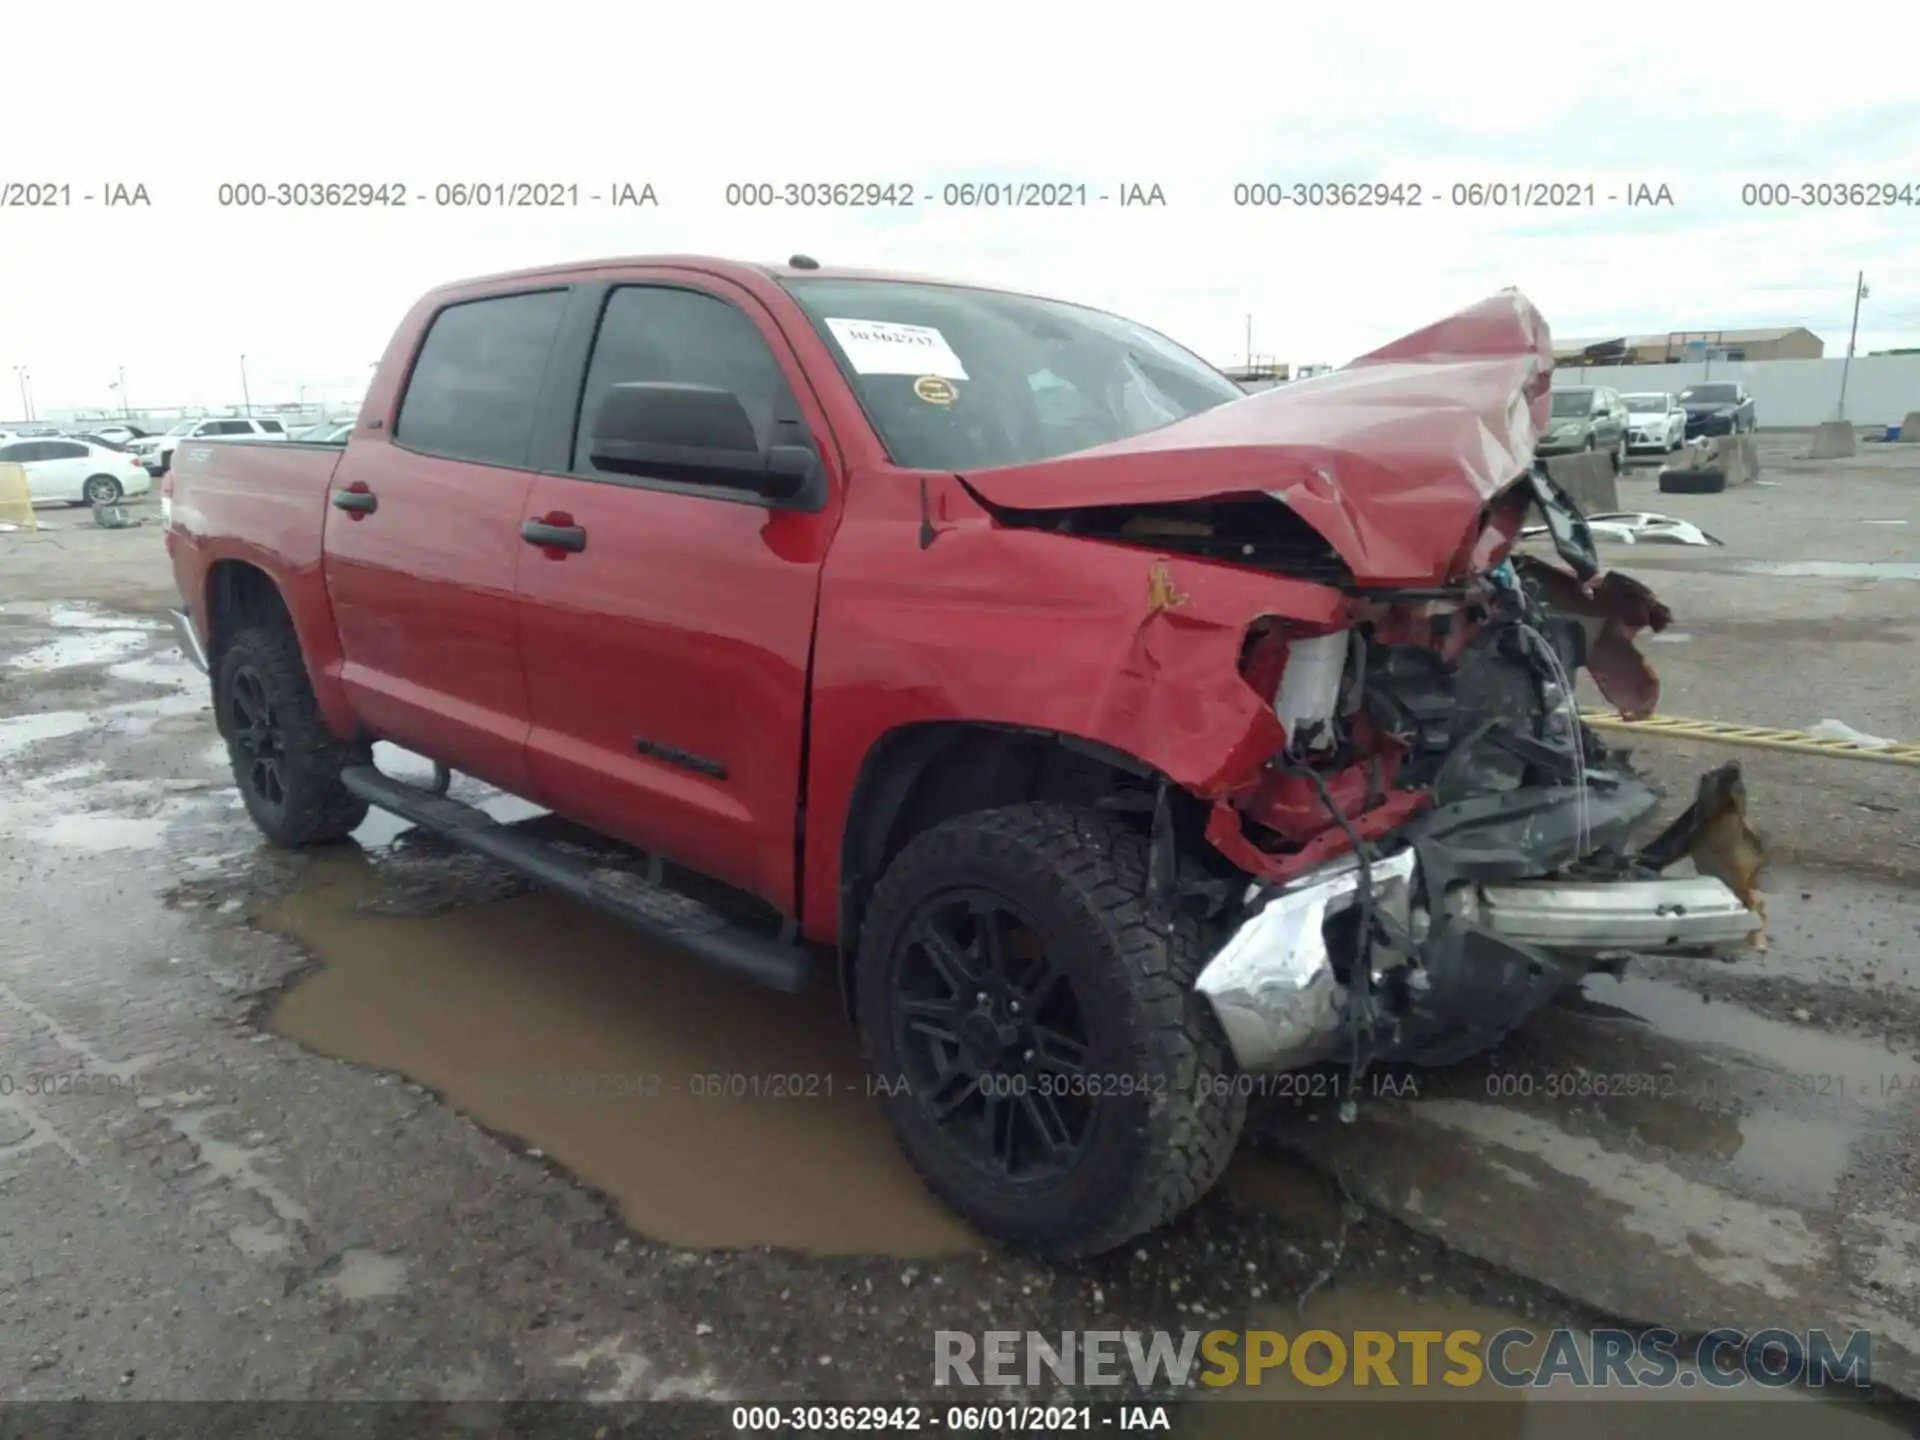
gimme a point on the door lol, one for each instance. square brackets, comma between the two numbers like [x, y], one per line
[68, 463]
[423, 539]
[667, 659]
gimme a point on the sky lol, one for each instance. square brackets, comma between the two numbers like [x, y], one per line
[1195, 100]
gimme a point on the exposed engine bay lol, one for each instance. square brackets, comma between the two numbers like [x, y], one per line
[1450, 846]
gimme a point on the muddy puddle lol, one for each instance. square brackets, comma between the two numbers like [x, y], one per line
[1687, 1409]
[714, 1112]
[1798, 1103]
[1825, 1065]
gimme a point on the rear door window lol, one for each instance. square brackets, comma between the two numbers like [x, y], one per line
[476, 382]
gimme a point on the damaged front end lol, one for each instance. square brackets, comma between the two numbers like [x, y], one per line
[1484, 838]
[1393, 812]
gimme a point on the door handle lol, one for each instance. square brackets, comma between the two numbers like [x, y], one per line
[556, 532]
[358, 502]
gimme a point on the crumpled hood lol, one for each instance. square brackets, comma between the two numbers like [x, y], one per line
[1392, 457]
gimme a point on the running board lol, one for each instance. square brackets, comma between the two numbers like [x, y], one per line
[655, 910]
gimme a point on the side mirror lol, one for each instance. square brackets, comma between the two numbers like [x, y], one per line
[697, 434]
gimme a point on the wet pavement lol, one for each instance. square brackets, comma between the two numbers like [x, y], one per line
[380, 1121]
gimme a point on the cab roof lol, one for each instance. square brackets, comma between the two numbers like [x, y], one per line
[751, 274]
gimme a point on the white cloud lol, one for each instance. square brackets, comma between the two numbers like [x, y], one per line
[1193, 100]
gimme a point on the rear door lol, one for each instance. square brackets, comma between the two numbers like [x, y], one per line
[667, 660]
[423, 538]
[66, 463]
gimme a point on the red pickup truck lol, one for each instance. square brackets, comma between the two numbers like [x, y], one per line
[1113, 734]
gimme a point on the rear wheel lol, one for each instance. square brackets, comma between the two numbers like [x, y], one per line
[101, 490]
[1065, 1088]
[285, 761]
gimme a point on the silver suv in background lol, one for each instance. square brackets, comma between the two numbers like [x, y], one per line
[155, 452]
[1587, 417]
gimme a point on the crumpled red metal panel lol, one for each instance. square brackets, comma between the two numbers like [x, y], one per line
[1613, 609]
[1392, 458]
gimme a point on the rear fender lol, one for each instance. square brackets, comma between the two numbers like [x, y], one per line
[302, 592]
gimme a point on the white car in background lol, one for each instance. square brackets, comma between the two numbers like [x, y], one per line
[156, 451]
[1656, 422]
[74, 472]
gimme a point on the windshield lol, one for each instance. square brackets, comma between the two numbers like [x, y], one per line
[185, 427]
[1712, 394]
[1572, 402]
[1649, 404]
[961, 379]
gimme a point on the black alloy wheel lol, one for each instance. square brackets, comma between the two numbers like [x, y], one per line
[993, 1035]
[257, 736]
[1047, 1064]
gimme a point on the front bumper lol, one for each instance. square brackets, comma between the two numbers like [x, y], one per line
[1650, 440]
[1490, 943]
[1710, 425]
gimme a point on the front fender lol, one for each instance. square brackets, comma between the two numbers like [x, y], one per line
[1132, 649]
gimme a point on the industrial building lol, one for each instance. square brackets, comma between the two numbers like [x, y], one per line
[1676, 347]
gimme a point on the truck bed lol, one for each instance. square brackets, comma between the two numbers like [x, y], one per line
[270, 495]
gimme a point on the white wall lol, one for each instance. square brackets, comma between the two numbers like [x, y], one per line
[1881, 389]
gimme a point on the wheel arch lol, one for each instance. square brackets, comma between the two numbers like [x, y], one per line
[921, 774]
[238, 590]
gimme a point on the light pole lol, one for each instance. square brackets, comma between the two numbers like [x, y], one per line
[126, 407]
[26, 401]
[246, 397]
[1859, 294]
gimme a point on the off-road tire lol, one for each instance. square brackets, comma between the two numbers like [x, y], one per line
[316, 806]
[1692, 482]
[1150, 1154]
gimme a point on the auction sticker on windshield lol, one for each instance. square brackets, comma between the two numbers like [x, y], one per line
[884, 347]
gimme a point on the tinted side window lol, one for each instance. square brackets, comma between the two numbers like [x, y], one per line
[65, 450]
[653, 333]
[272, 427]
[476, 382]
[16, 453]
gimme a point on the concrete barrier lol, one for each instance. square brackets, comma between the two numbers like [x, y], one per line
[16, 504]
[1910, 429]
[1588, 477]
[1833, 441]
[1739, 456]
